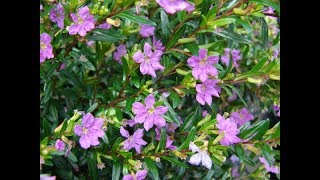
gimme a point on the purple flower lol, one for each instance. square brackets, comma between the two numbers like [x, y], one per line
[150, 61]
[47, 177]
[45, 47]
[171, 127]
[206, 90]
[121, 51]
[83, 22]
[233, 97]
[157, 45]
[129, 122]
[202, 156]
[242, 116]
[235, 57]
[59, 145]
[89, 131]
[204, 113]
[57, 15]
[276, 108]
[90, 43]
[276, 53]
[234, 159]
[149, 115]
[273, 169]
[63, 65]
[104, 26]
[146, 30]
[202, 65]
[172, 6]
[169, 142]
[234, 172]
[229, 128]
[41, 7]
[134, 141]
[140, 175]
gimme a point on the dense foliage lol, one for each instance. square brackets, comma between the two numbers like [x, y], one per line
[159, 89]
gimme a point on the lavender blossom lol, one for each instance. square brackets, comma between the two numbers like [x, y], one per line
[242, 116]
[229, 128]
[148, 114]
[121, 51]
[134, 141]
[146, 30]
[206, 90]
[172, 6]
[149, 61]
[60, 145]
[57, 15]
[45, 47]
[235, 57]
[203, 65]
[140, 175]
[83, 22]
[200, 157]
[89, 131]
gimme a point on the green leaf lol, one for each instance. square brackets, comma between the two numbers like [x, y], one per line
[237, 92]
[137, 19]
[129, 103]
[92, 108]
[192, 47]
[116, 169]
[175, 99]
[165, 33]
[253, 130]
[152, 168]
[176, 36]
[174, 161]
[233, 36]
[221, 22]
[190, 138]
[274, 5]
[163, 140]
[173, 113]
[93, 174]
[266, 152]
[105, 35]
[259, 65]
[240, 152]
[243, 23]
[191, 120]
[264, 32]
[262, 130]
[209, 175]
[116, 144]
[72, 157]
[205, 5]
[88, 65]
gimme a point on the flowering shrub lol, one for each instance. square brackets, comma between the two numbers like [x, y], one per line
[159, 89]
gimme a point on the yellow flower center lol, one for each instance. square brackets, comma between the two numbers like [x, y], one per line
[43, 46]
[85, 130]
[80, 20]
[151, 110]
[203, 87]
[203, 62]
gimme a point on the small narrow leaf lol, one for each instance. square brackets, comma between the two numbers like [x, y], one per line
[163, 140]
[190, 138]
[152, 168]
[116, 169]
[174, 161]
[137, 19]
[176, 36]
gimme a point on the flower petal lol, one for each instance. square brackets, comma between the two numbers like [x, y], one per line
[206, 160]
[149, 101]
[147, 49]
[195, 159]
[138, 57]
[141, 174]
[193, 147]
[148, 123]
[138, 134]
[85, 142]
[160, 110]
[138, 108]
[124, 132]
[78, 130]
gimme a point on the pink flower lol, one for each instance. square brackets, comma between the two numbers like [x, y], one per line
[104, 26]
[121, 51]
[47, 177]
[172, 6]
[89, 131]
[149, 61]
[60, 145]
[45, 47]
[229, 128]
[146, 30]
[203, 65]
[57, 15]
[149, 115]
[242, 116]
[140, 175]
[235, 57]
[83, 22]
[206, 90]
[169, 142]
[134, 141]
[273, 169]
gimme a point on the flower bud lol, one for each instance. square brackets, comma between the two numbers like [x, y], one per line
[115, 22]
